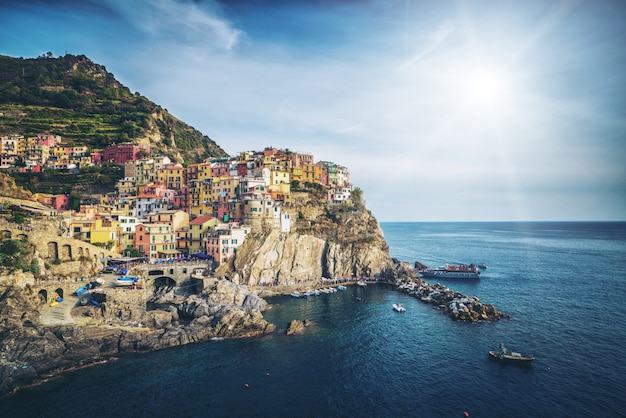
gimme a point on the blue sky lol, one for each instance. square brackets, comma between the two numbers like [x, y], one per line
[475, 110]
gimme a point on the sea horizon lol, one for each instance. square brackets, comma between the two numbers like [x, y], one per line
[360, 357]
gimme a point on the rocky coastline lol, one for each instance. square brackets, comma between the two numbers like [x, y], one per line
[457, 306]
[228, 304]
[32, 352]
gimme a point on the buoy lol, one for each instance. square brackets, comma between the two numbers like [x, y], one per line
[247, 385]
[268, 373]
[466, 413]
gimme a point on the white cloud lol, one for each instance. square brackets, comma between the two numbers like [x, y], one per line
[186, 22]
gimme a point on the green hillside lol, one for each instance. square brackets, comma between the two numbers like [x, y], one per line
[81, 101]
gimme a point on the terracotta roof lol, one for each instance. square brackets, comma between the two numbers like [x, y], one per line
[200, 220]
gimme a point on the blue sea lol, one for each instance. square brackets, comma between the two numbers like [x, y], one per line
[562, 283]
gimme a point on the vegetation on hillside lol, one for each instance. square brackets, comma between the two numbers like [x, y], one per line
[17, 255]
[87, 180]
[81, 101]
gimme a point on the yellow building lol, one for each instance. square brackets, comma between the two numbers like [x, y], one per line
[107, 236]
[172, 176]
[197, 227]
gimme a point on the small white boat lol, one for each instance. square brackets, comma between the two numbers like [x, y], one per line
[398, 307]
[296, 295]
[361, 283]
[126, 281]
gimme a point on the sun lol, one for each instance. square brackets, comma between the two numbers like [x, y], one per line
[484, 88]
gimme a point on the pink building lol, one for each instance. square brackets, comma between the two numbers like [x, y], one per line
[96, 157]
[49, 140]
[122, 153]
[61, 202]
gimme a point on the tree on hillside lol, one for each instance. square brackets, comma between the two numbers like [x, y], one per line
[357, 198]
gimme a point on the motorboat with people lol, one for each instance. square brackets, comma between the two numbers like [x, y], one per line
[511, 357]
[398, 307]
[453, 271]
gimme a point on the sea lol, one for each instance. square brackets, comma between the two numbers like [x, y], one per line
[562, 283]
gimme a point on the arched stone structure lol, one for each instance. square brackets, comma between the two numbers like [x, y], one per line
[164, 281]
[66, 252]
[22, 237]
[43, 296]
[53, 250]
[59, 292]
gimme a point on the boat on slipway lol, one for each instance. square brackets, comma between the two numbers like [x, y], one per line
[126, 281]
[510, 357]
[453, 271]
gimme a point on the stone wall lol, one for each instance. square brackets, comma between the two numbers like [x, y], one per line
[50, 246]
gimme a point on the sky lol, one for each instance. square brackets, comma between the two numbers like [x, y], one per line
[466, 110]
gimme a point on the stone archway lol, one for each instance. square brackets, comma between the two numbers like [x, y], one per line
[66, 253]
[164, 281]
[58, 292]
[22, 237]
[43, 296]
[53, 250]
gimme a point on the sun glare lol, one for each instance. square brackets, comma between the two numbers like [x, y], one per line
[484, 88]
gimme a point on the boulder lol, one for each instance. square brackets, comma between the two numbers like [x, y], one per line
[297, 326]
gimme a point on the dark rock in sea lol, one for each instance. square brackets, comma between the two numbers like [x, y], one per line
[454, 304]
[297, 327]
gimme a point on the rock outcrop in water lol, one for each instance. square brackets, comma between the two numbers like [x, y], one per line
[456, 305]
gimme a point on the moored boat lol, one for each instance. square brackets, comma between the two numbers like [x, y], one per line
[449, 271]
[340, 287]
[511, 357]
[398, 307]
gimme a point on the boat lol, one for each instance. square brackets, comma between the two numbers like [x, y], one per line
[482, 266]
[449, 271]
[511, 357]
[361, 283]
[340, 287]
[296, 295]
[126, 281]
[56, 301]
[82, 290]
[399, 307]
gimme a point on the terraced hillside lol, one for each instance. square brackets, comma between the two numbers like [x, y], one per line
[81, 101]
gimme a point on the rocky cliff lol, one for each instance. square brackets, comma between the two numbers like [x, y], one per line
[29, 350]
[321, 244]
